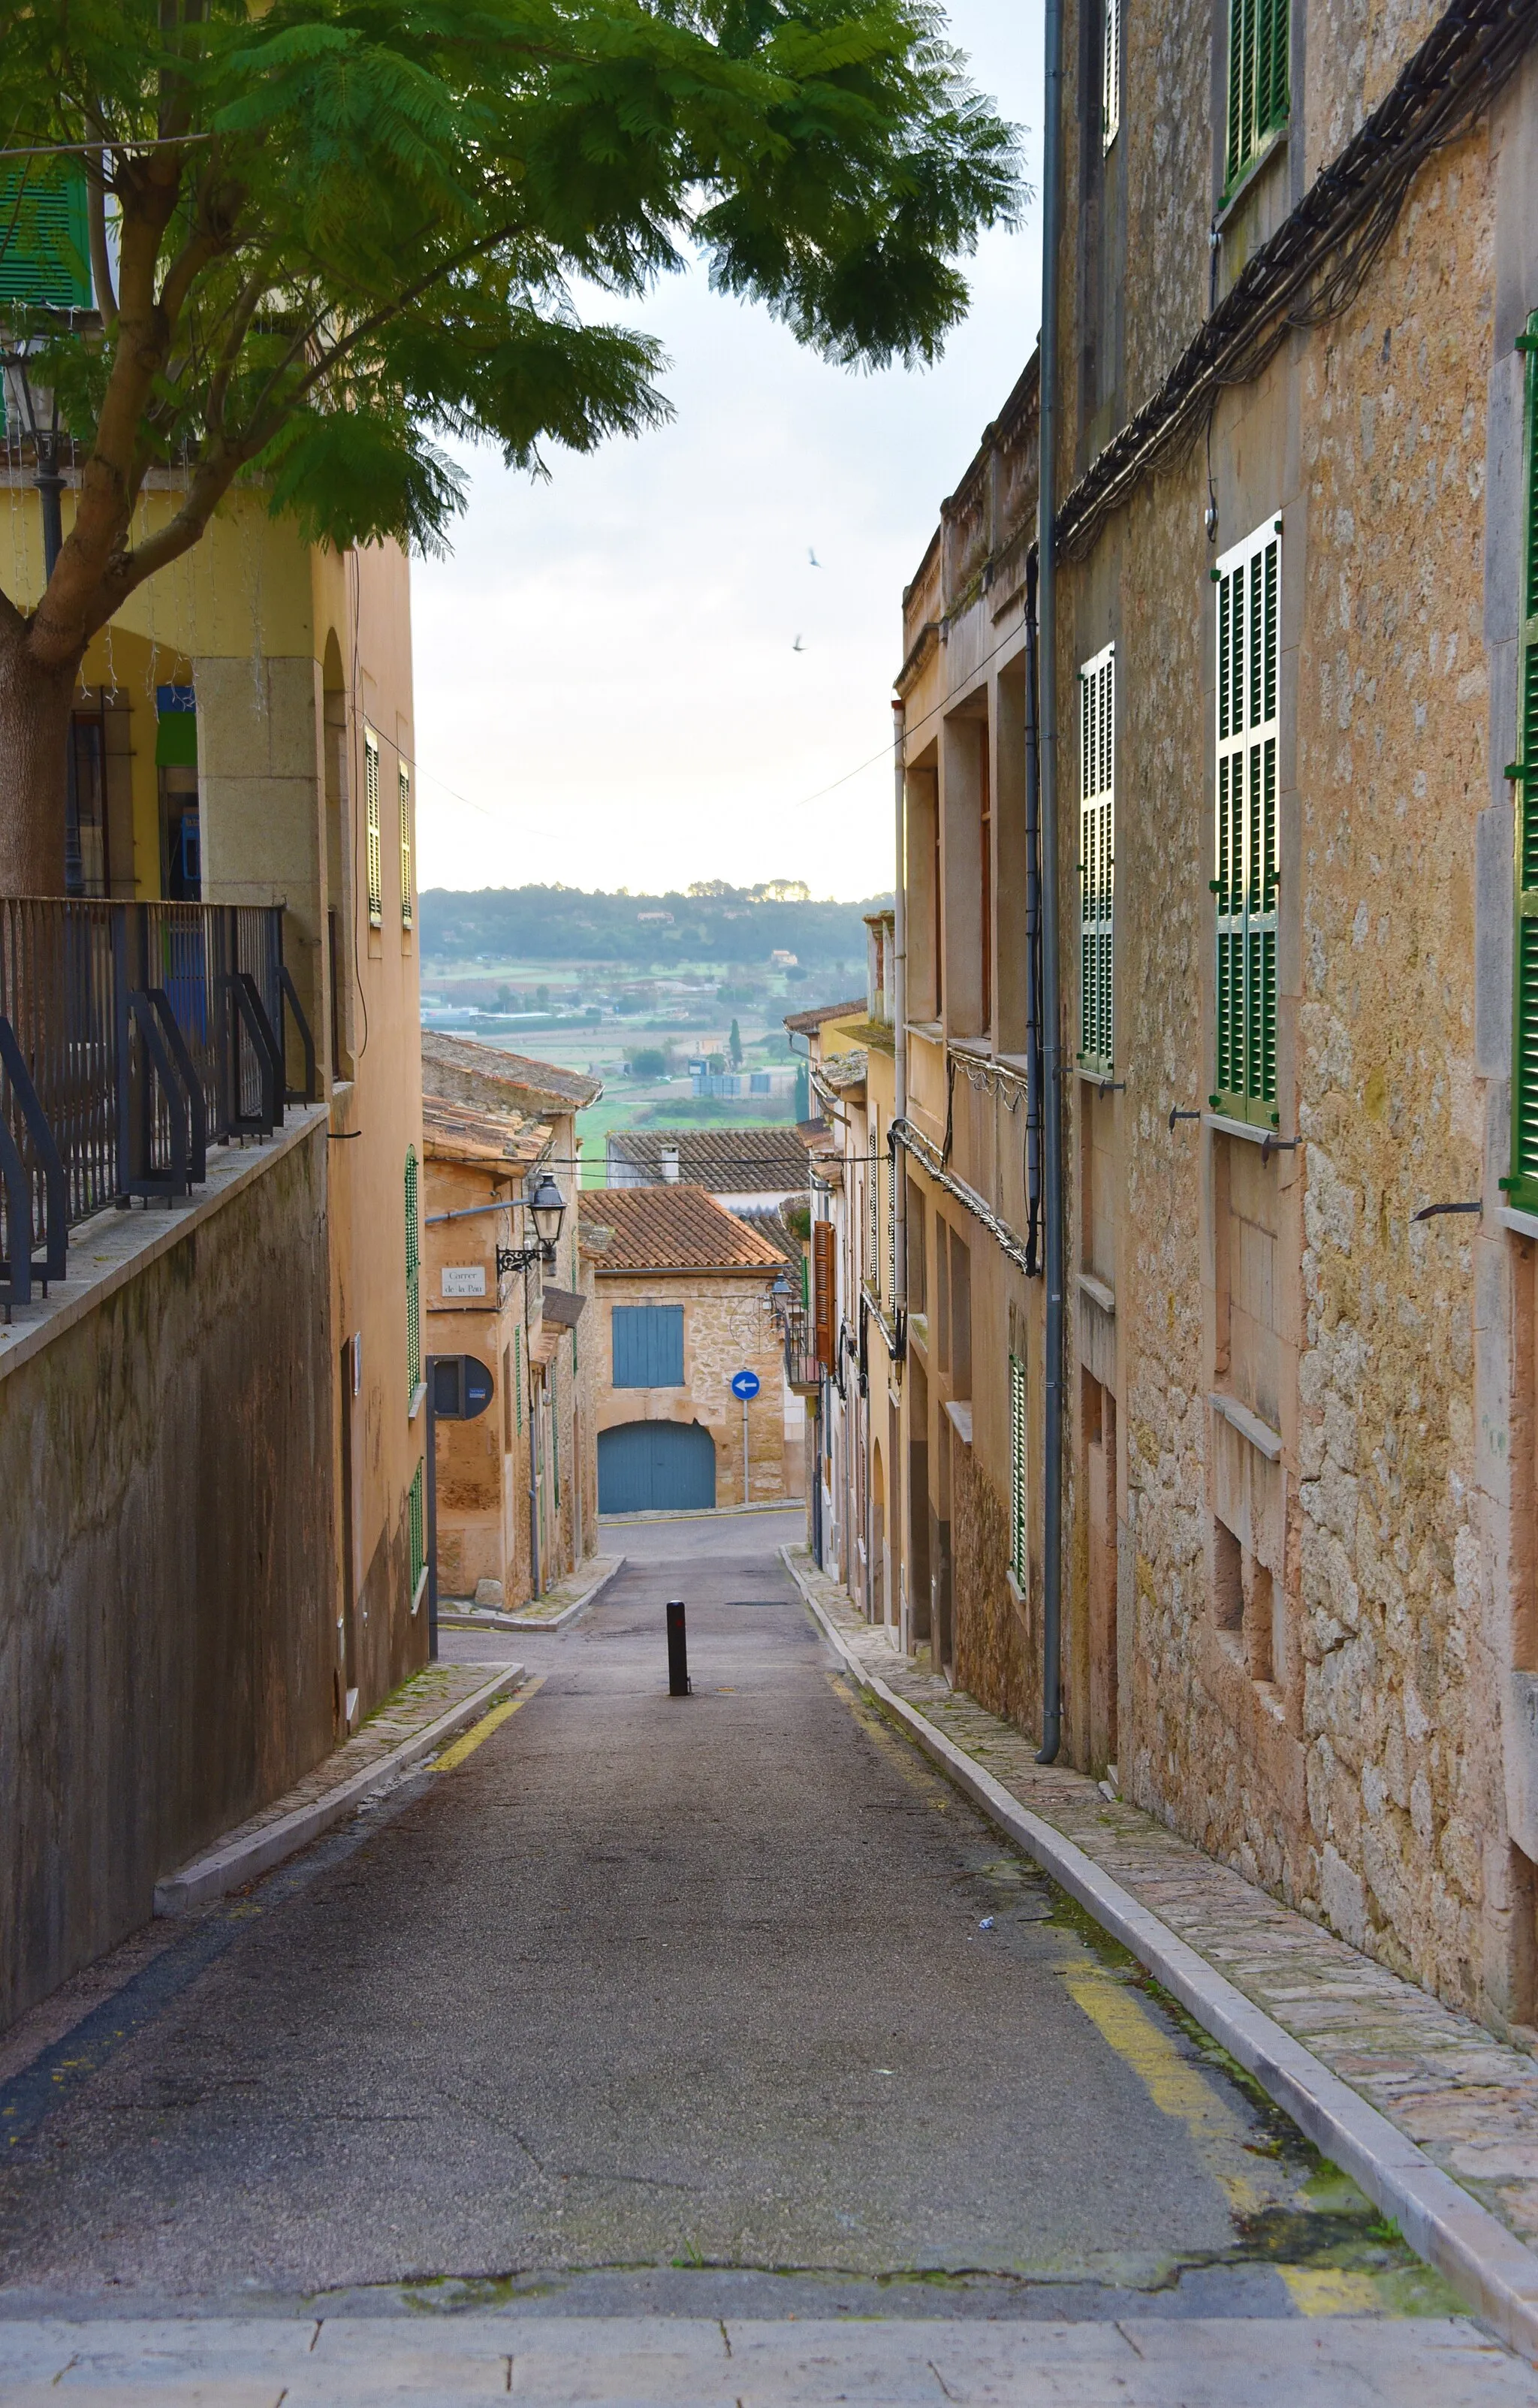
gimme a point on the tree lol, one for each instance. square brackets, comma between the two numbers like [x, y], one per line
[734, 1046]
[345, 231]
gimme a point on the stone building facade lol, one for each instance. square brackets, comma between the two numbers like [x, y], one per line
[517, 1489]
[684, 1303]
[1298, 560]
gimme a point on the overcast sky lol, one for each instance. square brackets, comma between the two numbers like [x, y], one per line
[606, 669]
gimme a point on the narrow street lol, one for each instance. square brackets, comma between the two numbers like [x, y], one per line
[725, 2008]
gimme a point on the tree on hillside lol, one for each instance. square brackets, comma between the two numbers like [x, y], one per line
[734, 1046]
[324, 235]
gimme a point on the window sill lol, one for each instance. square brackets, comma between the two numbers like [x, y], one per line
[1016, 1594]
[1098, 1292]
[1234, 199]
[1520, 1223]
[1261, 1436]
[413, 1407]
[960, 1418]
[418, 1591]
[1251, 1130]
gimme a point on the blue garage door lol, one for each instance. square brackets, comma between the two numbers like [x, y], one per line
[655, 1468]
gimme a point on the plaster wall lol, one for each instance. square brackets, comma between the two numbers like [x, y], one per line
[166, 1525]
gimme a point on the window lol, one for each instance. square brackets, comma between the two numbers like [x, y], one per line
[1110, 74]
[417, 1528]
[44, 240]
[1522, 1185]
[413, 1278]
[1258, 33]
[1017, 1473]
[1097, 858]
[405, 778]
[1248, 596]
[371, 802]
[518, 1381]
[649, 1346]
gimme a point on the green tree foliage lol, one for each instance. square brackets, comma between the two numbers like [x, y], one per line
[347, 231]
[734, 1046]
[500, 924]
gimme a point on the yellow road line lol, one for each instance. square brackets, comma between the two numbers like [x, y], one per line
[1177, 2088]
[487, 1724]
[1327, 2291]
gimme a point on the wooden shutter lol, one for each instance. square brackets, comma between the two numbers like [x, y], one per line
[649, 1346]
[1522, 1182]
[44, 239]
[413, 1275]
[1259, 33]
[1110, 80]
[1247, 864]
[371, 813]
[824, 1304]
[1097, 859]
[405, 780]
[1016, 1471]
[418, 1532]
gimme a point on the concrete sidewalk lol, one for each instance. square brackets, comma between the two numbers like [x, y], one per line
[564, 1599]
[1467, 2103]
[420, 1717]
[690, 2362]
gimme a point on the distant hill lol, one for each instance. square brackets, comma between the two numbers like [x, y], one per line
[711, 923]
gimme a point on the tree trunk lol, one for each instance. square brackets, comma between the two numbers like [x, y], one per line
[34, 784]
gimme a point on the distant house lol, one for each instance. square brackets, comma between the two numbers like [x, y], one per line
[684, 1301]
[517, 1500]
[748, 1170]
[735, 1084]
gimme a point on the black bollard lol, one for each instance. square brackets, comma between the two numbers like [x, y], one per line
[678, 1651]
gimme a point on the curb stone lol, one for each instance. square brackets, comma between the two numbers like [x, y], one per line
[524, 1621]
[226, 1867]
[1486, 2266]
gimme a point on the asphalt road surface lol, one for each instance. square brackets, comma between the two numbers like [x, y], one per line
[712, 2012]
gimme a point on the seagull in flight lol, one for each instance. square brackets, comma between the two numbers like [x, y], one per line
[813, 558]
[798, 646]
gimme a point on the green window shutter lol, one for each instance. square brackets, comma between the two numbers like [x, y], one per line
[1016, 1471]
[44, 239]
[1097, 859]
[413, 1276]
[1245, 840]
[1259, 96]
[1522, 1185]
[404, 776]
[518, 1379]
[417, 1531]
[371, 809]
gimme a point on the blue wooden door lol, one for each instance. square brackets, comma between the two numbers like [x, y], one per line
[656, 1468]
[648, 1346]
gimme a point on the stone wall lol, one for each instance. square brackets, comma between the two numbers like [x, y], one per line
[727, 1328]
[167, 1622]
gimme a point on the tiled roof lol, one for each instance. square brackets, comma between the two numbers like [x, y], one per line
[490, 1078]
[670, 1229]
[454, 1132]
[843, 1070]
[735, 1162]
[806, 1024]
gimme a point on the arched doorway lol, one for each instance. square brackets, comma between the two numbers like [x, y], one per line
[656, 1468]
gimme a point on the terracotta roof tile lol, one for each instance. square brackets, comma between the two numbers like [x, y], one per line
[487, 1076]
[671, 1229]
[738, 1162]
[806, 1024]
[454, 1132]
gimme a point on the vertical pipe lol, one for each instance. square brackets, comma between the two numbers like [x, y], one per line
[535, 1484]
[1051, 999]
[1033, 934]
[896, 1476]
[746, 1496]
[431, 1516]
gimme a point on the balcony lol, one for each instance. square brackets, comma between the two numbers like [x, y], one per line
[133, 1037]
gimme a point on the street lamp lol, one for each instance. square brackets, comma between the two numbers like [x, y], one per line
[45, 452]
[546, 1207]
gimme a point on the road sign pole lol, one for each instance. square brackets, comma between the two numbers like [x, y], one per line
[745, 1499]
[432, 1522]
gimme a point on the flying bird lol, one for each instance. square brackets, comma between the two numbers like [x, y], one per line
[813, 558]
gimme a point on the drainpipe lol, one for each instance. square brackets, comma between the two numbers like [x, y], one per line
[1052, 1064]
[1033, 934]
[896, 1473]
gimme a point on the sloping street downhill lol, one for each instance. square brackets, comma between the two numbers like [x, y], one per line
[725, 2014]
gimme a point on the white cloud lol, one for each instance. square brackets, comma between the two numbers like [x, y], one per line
[605, 667]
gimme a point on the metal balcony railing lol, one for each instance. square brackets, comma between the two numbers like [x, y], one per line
[803, 1366]
[133, 1037]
